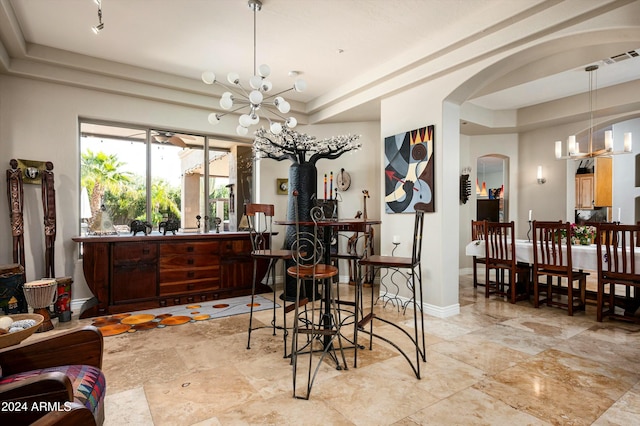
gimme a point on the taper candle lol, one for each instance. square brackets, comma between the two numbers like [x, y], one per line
[331, 186]
[529, 215]
[325, 186]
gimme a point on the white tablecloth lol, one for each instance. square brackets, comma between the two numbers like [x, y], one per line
[582, 257]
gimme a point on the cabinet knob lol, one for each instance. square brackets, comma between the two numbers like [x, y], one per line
[190, 286]
[190, 261]
[190, 249]
[191, 274]
[145, 251]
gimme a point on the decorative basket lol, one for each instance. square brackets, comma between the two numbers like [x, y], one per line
[11, 339]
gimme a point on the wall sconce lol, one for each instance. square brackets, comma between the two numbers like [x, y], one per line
[541, 180]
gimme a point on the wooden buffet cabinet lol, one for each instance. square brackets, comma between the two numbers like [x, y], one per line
[128, 273]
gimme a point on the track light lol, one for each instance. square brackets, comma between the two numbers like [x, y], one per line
[96, 29]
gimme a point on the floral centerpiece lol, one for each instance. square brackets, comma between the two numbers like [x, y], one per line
[581, 234]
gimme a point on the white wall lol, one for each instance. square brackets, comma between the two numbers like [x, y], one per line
[39, 121]
[624, 173]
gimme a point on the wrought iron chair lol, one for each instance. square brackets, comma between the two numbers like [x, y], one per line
[260, 217]
[477, 233]
[500, 255]
[316, 328]
[552, 258]
[617, 245]
[413, 266]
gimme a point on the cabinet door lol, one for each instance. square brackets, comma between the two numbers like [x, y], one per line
[135, 281]
[236, 266]
[134, 274]
[584, 191]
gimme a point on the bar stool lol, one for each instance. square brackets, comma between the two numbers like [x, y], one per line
[413, 266]
[260, 217]
[317, 326]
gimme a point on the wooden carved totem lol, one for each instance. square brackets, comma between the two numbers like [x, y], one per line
[16, 205]
[49, 208]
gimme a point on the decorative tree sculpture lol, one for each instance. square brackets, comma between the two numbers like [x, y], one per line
[303, 151]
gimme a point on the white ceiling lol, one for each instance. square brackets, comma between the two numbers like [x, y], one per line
[338, 46]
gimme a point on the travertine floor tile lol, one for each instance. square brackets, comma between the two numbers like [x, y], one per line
[495, 363]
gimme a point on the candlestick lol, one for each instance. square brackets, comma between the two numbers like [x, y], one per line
[325, 186]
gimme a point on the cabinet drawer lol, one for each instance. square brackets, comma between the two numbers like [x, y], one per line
[205, 284]
[173, 275]
[235, 246]
[195, 247]
[175, 261]
[134, 252]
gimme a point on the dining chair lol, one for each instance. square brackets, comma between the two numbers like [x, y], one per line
[316, 329]
[412, 264]
[477, 234]
[617, 246]
[500, 256]
[552, 258]
[260, 218]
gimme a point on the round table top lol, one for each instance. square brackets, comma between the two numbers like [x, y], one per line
[331, 222]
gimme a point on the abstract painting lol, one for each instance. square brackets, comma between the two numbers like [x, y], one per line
[409, 177]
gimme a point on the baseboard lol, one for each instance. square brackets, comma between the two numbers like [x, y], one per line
[434, 311]
[76, 306]
[442, 311]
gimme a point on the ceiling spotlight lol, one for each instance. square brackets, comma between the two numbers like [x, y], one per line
[96, 29]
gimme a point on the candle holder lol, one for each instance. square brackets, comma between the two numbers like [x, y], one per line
[529, 231]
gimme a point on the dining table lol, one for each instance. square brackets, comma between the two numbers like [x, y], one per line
[583, 257]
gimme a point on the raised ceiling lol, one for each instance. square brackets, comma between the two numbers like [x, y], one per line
[342, 48]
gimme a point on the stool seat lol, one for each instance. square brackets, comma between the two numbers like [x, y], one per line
[313, 271]
[273, 254]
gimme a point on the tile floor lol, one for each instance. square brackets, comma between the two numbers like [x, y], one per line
[494, 364]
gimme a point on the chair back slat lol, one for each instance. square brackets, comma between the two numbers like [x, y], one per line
[552, 246]
[477, 229]
[617, 245]
[260, 219]
[500, 245]
[418, 227]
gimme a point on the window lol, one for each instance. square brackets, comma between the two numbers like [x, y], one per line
[150, 175]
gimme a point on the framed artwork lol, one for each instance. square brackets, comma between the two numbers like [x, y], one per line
[409, 171]
[31, 171]
[282, 186]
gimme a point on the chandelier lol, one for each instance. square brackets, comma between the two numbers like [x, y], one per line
[257, 97]
[573, 148]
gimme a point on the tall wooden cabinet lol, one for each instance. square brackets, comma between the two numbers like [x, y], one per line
[128, 273]
[595, 189]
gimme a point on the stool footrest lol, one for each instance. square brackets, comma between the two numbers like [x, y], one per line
[292, 306]
[318, 331]
[366, 320]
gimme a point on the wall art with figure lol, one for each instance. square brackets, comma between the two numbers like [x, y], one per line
[409, 177]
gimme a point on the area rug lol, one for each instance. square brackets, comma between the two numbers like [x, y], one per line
[177, 315]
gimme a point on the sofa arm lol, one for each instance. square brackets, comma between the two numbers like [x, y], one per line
[73, 414]
[78, 346]
[24, 401]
